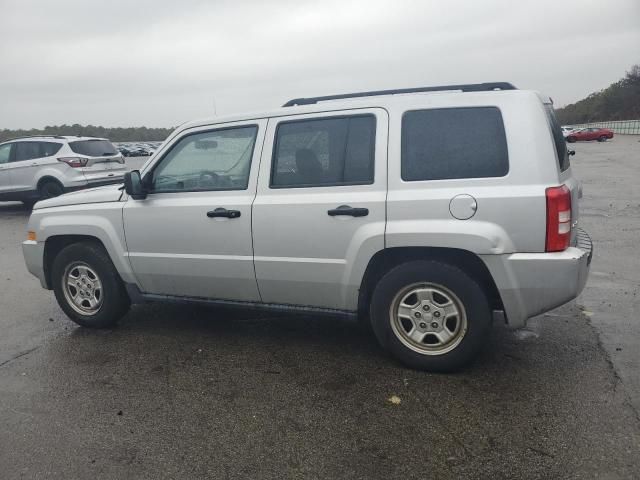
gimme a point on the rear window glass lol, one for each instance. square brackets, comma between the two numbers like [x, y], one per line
[449, 143]
[558, 139]
[93, 148]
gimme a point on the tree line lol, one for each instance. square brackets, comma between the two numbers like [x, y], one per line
[116, 134]
[619, 101]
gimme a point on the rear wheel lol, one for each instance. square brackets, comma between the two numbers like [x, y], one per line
[50, 189]
[571, 139]
[88, 287]
[602, 138]
[430, 315]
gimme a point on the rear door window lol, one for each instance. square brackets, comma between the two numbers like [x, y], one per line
[93, 148]
[324, 152]
[26, 151]
[450, 143]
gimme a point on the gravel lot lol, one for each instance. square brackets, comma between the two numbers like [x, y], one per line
[194, 392]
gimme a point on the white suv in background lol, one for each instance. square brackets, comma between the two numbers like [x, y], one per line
[34, 168]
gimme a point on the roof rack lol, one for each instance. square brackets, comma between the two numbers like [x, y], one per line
[33, 136]
[471, 87]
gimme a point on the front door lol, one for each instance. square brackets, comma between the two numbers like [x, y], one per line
[5, 179]
[191, 236]
[320, 210]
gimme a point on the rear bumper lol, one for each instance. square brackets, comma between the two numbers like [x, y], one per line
[534, 283]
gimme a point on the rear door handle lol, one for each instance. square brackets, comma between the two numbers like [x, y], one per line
[223, 213]
[346, 210]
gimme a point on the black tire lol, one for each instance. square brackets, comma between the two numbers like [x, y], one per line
[50, 189]
[115, 301]
[467, 290]
[603, 138]
[571, 139]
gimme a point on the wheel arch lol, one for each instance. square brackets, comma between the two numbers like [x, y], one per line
[54, 245]
[48, 178]
[386, 259]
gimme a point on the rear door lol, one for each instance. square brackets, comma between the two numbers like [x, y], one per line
[320, 203]
[25, 161]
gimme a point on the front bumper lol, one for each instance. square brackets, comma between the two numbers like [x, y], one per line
[534, 283]
[33, 253]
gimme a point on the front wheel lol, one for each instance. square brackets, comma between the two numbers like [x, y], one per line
[430, 315]
[602, 138]
[571, 139]
[88, 287]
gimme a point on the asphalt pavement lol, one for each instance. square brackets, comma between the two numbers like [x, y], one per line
[191, 392]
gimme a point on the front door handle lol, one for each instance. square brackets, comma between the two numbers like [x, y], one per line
[348, 211]
[223, 213]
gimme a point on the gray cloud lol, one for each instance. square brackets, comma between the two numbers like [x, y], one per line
[159, 63]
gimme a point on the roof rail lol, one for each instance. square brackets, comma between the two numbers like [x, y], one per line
[471, 87]
[33, 136]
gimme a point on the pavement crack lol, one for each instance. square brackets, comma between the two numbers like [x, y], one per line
[21, 354]
[541, 452]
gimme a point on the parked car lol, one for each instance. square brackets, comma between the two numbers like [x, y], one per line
[368, 205]
[34, 168]
[581, 134]
[566, 131]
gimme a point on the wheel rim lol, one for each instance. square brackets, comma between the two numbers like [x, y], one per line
[428, 318]
[82, 288]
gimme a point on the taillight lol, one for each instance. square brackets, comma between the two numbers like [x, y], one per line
[558, 218]
[75, 162]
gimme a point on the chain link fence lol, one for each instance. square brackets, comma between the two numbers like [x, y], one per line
[621, 127]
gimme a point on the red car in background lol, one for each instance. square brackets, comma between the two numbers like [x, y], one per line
[600, 134]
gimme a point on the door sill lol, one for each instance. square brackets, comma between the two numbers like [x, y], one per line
[137, 296]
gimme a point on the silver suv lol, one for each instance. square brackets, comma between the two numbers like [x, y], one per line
[427, 213]
[34, 168]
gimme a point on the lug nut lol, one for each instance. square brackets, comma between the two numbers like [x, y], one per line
[436, 314]
[434, 324]
[418, 314]
[425, 308]
[423, 325]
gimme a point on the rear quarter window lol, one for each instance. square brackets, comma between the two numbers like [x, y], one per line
[450, 143]
[558, 139]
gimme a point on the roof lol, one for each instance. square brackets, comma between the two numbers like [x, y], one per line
[386, 100]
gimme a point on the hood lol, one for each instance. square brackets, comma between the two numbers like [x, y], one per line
[108, 193]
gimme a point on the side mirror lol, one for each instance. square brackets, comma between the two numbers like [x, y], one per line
[571, 152]
[133, 185]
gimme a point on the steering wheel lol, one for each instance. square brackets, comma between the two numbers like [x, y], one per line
[208, 178]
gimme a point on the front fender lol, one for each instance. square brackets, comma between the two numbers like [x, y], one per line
[102, 221]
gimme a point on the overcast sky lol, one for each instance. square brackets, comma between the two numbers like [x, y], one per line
[163, 62]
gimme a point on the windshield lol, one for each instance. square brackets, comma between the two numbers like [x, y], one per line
[93, 148]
